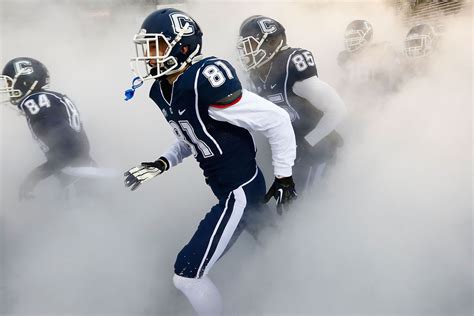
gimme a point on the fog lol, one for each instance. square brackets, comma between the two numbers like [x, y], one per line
[388, 231]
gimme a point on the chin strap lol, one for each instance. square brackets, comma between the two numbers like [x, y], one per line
[192, 58]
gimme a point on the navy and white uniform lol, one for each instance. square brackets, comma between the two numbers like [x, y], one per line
[55, 124]
[218, 137]
[276, 81]
[374, 69]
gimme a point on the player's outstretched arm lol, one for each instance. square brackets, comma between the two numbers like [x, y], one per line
[325, 98]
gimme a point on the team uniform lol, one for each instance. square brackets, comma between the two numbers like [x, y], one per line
[211, 115]
[372, 68]
[225, 152]
[286, 68]
[55, 124]
[420, 44]
[53, 120]
[375, 68]
[288, 77]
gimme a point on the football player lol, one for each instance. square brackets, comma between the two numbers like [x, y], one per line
[288, 77]
[420, 43]
[368, 66]
[53, 119]
[211, 115]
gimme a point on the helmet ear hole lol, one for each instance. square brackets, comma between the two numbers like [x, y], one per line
[184, 49]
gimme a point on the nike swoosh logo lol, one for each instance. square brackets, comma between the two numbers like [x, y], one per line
[180, 112]
[273, 86]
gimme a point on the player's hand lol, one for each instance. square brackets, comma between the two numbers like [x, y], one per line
[283, 190]
[26, 190]
[146, 171]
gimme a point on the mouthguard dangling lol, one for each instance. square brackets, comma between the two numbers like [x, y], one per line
[137, 82]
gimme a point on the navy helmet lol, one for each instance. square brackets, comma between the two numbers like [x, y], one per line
[260, 38]
[420, 41]
[160, 44]
[22, 76]
[357, 35]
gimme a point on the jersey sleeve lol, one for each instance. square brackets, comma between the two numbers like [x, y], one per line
[217, 80]
[255, 113]
[301, 65]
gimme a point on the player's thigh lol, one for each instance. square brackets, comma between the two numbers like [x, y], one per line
[211, 237]
[216, 231]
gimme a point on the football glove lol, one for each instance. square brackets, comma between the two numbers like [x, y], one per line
[283, 190]
[146, 171]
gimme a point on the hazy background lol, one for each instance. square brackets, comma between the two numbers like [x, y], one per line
[388, 233]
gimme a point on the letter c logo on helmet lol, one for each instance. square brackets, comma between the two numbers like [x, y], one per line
[267, 26]
[23, 67]
[179, 22]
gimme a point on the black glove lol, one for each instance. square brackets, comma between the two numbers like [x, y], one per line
[146, 171]
[283, 190]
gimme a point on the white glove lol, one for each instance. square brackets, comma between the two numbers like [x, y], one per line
[146, 171]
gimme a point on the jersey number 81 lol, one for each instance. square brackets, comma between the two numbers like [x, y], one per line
[215, 75]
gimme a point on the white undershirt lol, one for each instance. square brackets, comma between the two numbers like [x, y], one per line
[255, 113]
[323, 97]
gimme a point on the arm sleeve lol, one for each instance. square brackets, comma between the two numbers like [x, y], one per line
[255, 113]
[324, 98]
[217, 80]
[177, 152]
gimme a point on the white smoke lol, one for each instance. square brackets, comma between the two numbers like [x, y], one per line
[388, 233]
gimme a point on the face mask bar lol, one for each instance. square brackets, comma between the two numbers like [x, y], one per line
[145, 63]
[6, 87]
[418, 46]
[147, 66]
[250, 52]
[9, 96]
[250, 57]
[354, 39]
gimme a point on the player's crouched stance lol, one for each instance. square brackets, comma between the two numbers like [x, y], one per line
[203, 101]
[54, 123]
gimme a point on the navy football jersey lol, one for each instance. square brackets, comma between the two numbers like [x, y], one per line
[374, 68]
[225, 152]
[55, 124]
[287, 67]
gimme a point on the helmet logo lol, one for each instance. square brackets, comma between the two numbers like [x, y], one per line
[23, 67]
[178, 20]
[267, 26]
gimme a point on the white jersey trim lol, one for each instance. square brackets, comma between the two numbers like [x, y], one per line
[286, 84]
[237, 213]
[196, 105]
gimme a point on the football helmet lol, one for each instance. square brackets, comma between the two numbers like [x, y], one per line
[260, 38]
[357, 35]
[21, 76]
[160, 44]
[419, 41]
